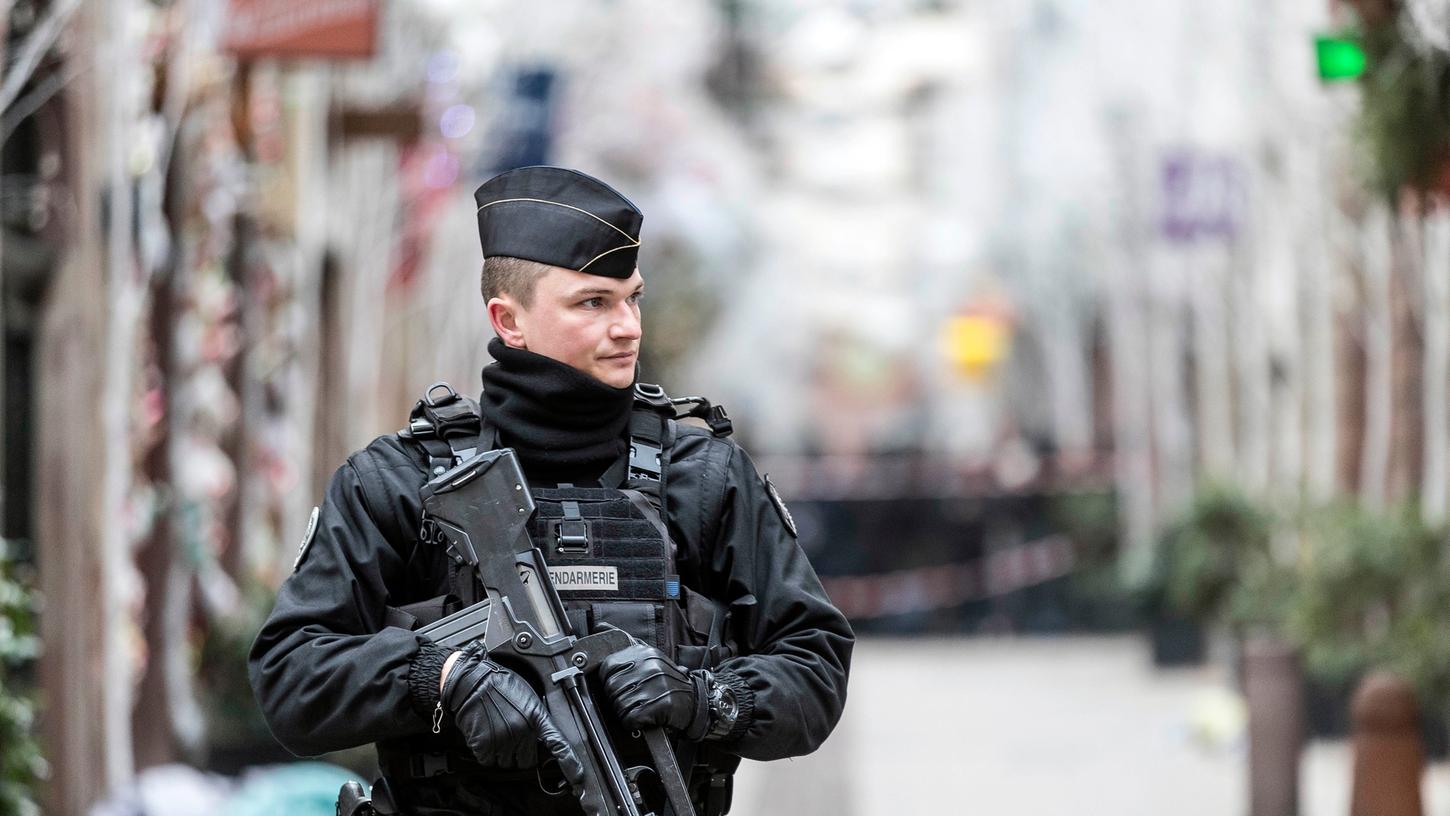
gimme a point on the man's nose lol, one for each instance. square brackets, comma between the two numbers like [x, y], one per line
[626, 324]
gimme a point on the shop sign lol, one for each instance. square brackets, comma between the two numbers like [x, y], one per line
[1203, 197]
[326, 29]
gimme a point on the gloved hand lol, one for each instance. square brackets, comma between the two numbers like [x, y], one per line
[501, 718]
[649, 690]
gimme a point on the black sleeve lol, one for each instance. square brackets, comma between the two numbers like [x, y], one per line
[795, 646]
[326, 670]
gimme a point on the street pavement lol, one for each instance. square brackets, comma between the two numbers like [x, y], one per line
[1029, 727]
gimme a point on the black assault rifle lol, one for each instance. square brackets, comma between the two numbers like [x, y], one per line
[483, 507]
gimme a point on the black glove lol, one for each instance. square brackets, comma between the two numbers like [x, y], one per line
[502, 719]
[649, 690]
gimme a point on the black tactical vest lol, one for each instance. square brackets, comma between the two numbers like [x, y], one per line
[610, 559]
[608, 547]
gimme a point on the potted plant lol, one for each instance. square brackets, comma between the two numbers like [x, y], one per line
[21, 764]
[1198, 566]
[1372, 593]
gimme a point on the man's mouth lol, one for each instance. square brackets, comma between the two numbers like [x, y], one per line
[623, 355]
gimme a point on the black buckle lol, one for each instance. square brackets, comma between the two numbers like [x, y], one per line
[571, 536]
[718, 421]
[450, 415]
[701, 408]
[442, 417]
[571, 533]
[644, 460]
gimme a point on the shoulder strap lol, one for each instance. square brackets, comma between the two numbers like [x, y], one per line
[646, 445]
[649, 457]
[651, 431]
[449, 427]
[649, 438]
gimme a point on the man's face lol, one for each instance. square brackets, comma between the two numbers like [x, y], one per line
[587, 321]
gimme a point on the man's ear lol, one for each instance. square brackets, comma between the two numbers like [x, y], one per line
[503, 314]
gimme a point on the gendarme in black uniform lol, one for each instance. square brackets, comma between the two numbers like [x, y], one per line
[337, 663]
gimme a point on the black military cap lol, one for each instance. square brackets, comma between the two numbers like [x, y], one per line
[559, 217]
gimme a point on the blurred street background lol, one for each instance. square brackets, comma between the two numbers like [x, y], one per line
[1101, 349]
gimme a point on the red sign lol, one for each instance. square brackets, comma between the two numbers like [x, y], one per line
[302, 28]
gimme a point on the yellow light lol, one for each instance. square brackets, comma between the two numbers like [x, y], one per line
[976, 343]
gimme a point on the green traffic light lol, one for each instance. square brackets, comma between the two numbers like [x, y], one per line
[1341, 58]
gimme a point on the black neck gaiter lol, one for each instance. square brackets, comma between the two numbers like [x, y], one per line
[559, 419]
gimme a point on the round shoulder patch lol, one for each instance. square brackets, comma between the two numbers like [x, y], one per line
[307, 538]
[780, 507]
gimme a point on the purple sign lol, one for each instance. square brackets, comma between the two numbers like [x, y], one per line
[1203, 197]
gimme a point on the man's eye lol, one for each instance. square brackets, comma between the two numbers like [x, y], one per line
[636, 297]
[593, 303]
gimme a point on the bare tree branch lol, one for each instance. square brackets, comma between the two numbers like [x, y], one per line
[36, 45]
[38, 96]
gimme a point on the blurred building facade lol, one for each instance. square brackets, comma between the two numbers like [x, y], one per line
[932, 255]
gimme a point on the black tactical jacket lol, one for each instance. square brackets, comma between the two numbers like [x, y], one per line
[330, 674]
